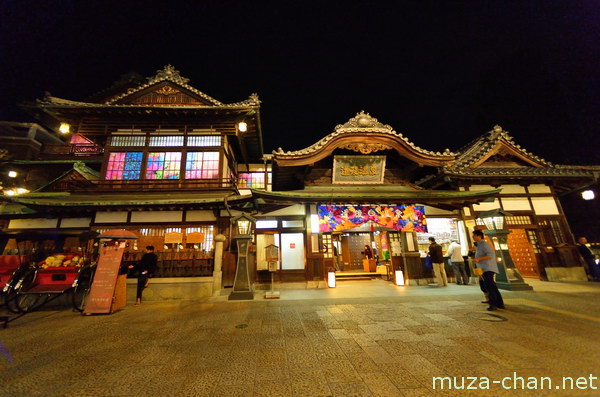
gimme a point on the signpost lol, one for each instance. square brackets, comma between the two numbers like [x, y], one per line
[102, 292]
[272, 257]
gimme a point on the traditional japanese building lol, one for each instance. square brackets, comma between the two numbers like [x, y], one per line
[174, 165]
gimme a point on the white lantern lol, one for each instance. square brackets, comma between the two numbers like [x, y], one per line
[64, 128]
[399, 277]
[242, 126]
[331, 279]
[12, 174]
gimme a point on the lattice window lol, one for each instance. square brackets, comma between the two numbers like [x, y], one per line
[204, 140]
[128, 140]
[202, 165]
[518, 220]
[166, 140]
[124, 165]
[327, 245]
[163, 165]
[534, 241]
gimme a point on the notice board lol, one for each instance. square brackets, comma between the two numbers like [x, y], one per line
[105, 280]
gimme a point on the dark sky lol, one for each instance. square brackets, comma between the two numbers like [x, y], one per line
[441, 72]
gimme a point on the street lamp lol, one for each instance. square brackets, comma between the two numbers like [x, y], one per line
[242, 126]
[508, 276]
[243, 225]
[64, 128]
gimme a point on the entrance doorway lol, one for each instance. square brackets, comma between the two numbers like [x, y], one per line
[353, 246]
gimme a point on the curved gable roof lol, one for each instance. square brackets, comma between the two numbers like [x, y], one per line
[363, 134]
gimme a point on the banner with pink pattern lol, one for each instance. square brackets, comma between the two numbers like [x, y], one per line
[406, 218]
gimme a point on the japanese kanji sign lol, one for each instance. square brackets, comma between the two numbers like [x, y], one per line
[358, 169]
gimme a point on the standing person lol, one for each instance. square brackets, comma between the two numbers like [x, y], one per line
[588, 258]
[367, 252]
[437, 259]
[458, 265]
[146, 268]
[485, 259]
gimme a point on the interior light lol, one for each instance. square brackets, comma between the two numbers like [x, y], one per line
[64, 128]
[314, 223]
[12, 174]
[21, 190]
[588, 195]
[242, 126]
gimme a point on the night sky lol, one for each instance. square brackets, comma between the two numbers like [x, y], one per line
[441, 72]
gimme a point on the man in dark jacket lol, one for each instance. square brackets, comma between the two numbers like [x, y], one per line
[146, 268]
[437, 259]
[588, 258]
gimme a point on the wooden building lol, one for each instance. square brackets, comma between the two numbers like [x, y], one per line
[174, 165]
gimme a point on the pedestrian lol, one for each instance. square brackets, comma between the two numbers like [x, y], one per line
[367, 252]
[485, 259]
[437, 259]
[145, 269]
[588, 259]
[458, 264]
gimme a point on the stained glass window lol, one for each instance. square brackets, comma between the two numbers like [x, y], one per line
[202, 165]
[163, 165]
[254, 180]
[124, 165]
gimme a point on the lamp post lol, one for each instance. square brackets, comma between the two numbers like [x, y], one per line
[508, 276]
[243, 226]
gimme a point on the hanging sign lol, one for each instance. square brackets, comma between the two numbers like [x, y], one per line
[406, 218]
[105, 280]
[358, 169]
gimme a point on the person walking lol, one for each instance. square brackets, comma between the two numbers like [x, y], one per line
[485, 259]
[588, 258]
[437, 259]
[458, 265]
[146, 268]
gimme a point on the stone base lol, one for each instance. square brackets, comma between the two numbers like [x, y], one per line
[172, 288]
[517, 286]
[241, 296]
[566, 273]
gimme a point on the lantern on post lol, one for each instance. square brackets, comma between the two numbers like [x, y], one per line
[508, 276]
[243, 226]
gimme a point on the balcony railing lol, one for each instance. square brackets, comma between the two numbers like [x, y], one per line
[77, 150]
[145, 185]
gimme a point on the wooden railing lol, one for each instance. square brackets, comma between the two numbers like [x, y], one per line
[145, 185]
[183, 263]
[78, 150]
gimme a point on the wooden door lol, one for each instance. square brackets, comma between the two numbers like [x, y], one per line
[356, 243]
[522, 253]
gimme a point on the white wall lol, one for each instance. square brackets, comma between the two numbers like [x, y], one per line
[200, 216]
[75, 222]
[516, 204]
[111, 217]
[156, 216]
[34, 223]
[545, 206]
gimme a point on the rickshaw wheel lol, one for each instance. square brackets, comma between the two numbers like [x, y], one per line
[27, 302]
[10, 295]
[82, 288]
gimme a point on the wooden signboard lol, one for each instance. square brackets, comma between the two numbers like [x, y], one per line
[173, 238]
[103, 287]
[194, 238]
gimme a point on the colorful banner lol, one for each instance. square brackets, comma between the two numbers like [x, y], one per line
[406, 218]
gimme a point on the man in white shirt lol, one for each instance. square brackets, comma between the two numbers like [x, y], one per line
[458, 264]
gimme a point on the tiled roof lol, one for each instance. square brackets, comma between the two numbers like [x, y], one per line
[362, 123]
[481, 146]
[520, 171]
[168, 73]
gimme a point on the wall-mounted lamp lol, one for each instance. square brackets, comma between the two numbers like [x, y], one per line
[588, 195]
[12, 174]
[242, 126]
[64, 128]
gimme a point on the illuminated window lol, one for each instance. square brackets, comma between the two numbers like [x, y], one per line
[204, 140]
[166, 140]
[202, 165]
[163, 165]
[128, 140]
[208, 241]
[252, 180]
[124, 165]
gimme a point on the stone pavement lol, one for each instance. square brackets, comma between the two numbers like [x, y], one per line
[361, 346]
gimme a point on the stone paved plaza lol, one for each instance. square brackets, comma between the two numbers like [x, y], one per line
[334, 346]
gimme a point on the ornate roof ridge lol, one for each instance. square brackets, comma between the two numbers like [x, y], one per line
[361, 123]
[480, 147]
[168, 73]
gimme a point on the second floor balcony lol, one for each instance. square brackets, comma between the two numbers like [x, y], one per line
[71, 150]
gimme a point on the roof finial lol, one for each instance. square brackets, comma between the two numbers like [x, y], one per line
[168, 73]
